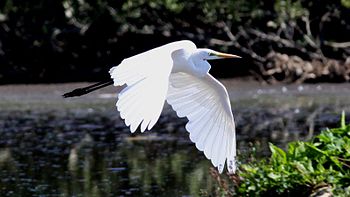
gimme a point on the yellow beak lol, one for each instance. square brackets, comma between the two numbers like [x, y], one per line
[226, 55]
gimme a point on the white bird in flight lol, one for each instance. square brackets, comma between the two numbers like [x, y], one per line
[178, 73]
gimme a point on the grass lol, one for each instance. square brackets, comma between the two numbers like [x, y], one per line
[320, 166]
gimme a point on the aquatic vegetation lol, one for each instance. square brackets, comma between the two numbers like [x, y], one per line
[321, 165]
[315, 168]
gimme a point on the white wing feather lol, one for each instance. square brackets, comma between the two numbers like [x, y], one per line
[204, 101]
[146, 77]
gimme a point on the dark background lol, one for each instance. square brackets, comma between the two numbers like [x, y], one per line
[45, 41]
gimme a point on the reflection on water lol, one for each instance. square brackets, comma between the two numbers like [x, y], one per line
[51, 147]
[40, 157]
[92, 168]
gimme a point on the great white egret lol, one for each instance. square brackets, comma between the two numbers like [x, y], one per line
[177, 72]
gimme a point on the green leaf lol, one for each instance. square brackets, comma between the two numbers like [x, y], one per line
[277, 153]
[342, 121]
[274, 176]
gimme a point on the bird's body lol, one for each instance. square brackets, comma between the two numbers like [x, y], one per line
[178, 73]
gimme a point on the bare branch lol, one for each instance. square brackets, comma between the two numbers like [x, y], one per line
[307, 23]
[337, 44]
[273, 38]
[215, 41]
[310, 41]
[228, 32]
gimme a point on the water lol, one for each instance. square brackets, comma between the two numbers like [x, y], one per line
[51, 153]
[79, 147]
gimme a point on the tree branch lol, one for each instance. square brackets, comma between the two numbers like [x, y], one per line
[337, 44]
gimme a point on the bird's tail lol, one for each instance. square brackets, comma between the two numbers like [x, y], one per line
[88, 89]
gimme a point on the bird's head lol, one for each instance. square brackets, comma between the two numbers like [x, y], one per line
[208, 54]
[199, 59]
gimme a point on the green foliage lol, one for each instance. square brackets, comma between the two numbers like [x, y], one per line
[345, 3]
[302, 167]
[43, 40]
[289, 9]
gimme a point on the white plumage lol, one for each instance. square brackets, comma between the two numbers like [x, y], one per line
[178, 72]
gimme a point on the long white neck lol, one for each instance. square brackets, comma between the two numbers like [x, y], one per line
[190, 62]
[201, 66]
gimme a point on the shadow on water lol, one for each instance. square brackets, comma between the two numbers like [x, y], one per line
[51, 147]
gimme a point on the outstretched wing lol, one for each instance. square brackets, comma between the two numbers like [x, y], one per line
[146, 76]
[205, 103]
